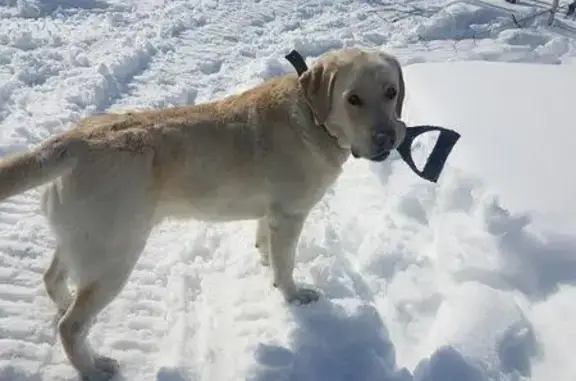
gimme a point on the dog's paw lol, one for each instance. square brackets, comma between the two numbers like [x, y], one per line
[304, 296]
[264, 257]
[105, 368]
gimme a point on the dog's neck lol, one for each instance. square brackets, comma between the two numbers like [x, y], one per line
[319, 135]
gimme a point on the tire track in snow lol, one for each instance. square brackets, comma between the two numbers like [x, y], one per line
[161, 298]
[82, 94]
[242, 43]
[102, 54]
[26, 333]
[39, 103]
[37, 54]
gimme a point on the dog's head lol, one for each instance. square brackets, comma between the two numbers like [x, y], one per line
[358, 95]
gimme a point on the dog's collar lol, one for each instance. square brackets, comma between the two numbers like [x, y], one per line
[297, 61]
[300, 65]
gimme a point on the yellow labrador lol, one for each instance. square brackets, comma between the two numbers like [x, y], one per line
[268, 153]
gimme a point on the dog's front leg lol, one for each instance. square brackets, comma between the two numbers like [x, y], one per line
[284, 230]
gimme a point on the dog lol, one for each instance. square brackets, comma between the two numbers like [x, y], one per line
[267, 154]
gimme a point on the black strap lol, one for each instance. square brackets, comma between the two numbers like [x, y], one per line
[297, 61]
[440, 152]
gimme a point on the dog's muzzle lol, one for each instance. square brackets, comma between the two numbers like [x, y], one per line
[383, 141]
[380, 156]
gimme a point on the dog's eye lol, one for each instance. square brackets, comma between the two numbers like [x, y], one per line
[391, 92]
[355, 100]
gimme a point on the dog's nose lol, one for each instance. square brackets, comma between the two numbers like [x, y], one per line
[385, 139]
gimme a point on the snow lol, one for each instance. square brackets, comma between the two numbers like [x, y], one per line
[468, 279]
[525, 106]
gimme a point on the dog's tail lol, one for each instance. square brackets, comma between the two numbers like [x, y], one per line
[31, 169]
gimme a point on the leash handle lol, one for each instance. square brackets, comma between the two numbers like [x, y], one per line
[437, 159]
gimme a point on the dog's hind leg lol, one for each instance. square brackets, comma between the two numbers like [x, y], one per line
[102, 224]
[263, 241]
[55, 283]
[75, 325]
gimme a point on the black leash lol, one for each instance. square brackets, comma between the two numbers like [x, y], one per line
[444, 144]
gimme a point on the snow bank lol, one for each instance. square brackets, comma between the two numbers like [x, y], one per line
[501, 220]
[517, 126]
[478, 330]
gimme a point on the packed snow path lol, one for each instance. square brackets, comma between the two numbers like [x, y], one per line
[199, 306]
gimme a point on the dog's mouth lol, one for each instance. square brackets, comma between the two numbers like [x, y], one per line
[380, 156]
[377, 157]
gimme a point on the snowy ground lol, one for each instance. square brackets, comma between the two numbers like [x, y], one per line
[427, 282]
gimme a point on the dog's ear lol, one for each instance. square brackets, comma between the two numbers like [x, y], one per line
[318, 84]
[401, 92]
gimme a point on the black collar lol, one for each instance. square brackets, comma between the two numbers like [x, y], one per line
[297, 61]
[300, 65]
